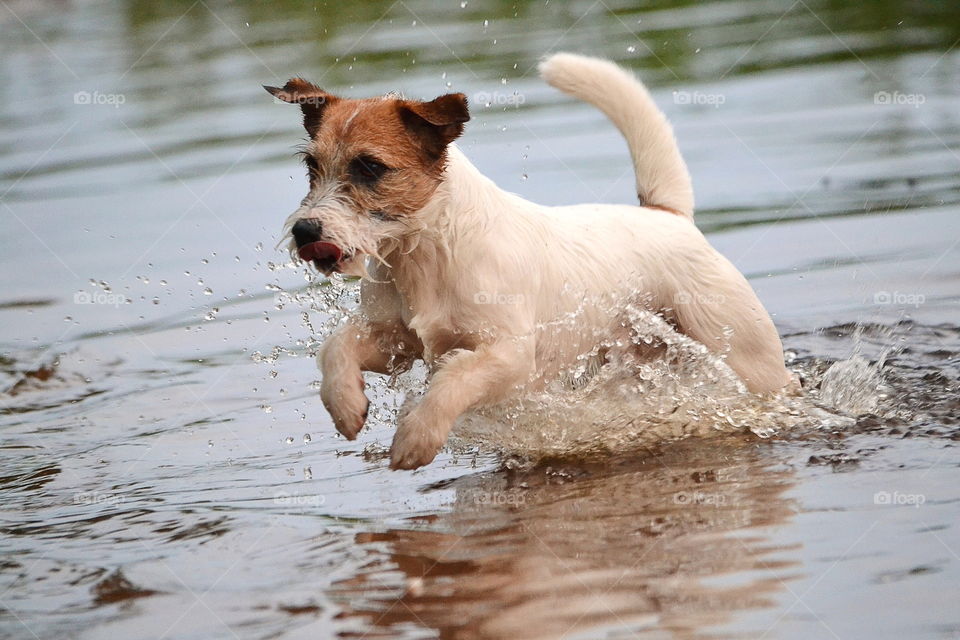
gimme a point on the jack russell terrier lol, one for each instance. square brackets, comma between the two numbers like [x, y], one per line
[497, 295]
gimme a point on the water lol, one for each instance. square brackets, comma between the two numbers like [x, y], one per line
[168, 470]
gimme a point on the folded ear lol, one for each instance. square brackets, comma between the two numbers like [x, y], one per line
[311, 98]
[437, 123]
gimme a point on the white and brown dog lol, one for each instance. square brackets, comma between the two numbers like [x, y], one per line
[496, 294]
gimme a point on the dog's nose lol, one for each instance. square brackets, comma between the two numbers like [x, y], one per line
[305, 231]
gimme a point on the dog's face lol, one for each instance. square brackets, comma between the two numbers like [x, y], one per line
[372, 164]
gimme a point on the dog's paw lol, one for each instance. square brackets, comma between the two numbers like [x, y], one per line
[347, 404]
[415, 444]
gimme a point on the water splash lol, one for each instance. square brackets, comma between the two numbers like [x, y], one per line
[629, 402]
[632, 402]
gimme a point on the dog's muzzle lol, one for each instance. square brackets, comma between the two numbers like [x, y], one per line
[307, 234]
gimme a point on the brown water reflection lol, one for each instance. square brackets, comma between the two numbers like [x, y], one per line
[547, 552]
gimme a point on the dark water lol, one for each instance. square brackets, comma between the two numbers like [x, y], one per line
[168, 470]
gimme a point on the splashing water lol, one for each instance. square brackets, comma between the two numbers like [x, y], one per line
[633, 403]
[627, 403]
[854, 386]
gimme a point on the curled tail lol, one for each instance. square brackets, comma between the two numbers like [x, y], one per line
[662, 177]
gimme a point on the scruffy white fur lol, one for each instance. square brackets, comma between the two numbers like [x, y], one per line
[499, 295]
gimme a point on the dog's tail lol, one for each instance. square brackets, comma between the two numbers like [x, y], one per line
[662, 177]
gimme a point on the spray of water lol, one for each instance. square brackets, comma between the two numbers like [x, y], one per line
[629, 402]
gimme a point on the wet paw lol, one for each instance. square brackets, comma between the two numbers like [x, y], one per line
[416, 443]
[347, 404]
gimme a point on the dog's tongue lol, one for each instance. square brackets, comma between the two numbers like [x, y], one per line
[322, 251]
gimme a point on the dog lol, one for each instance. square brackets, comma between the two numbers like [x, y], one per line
[498, 295]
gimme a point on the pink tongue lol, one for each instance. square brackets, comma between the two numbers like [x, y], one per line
[322, 251]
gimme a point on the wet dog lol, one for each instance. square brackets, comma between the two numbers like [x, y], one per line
[498, 295]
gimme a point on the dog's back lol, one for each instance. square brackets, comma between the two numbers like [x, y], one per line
[662, 177]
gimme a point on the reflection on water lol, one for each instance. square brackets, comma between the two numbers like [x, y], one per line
[631, 545]
[168, 471]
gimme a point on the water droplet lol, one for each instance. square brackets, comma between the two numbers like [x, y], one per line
[289, 440]
[306, 438]
[631, 49]
[208, 291]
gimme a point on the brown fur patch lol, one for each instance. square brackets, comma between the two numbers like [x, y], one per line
[667, 209]
[380, 129]
[312, 99]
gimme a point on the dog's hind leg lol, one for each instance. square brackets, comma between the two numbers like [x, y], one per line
[729, 319]
[356, 347]
[463, 379]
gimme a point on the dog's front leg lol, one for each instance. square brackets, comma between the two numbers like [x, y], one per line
[464, 379]
[356, 347]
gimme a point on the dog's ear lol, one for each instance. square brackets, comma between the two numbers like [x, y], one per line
[437, 123]
[311, 98]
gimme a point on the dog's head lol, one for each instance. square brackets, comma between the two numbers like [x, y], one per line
[372, 164]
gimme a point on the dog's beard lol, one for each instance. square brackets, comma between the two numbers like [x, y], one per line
[357, 234]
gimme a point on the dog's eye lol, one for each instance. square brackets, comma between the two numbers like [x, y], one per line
[366, 170]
